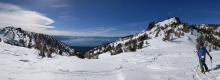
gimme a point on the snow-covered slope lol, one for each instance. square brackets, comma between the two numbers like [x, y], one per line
[46, 44]
[160, 61]
[168, 30]
[160, 53]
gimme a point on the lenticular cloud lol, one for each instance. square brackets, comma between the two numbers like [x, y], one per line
[16, 16]
[13, 15]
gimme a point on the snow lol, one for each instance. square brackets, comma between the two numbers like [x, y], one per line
[166, 22]
[160, 61]
[217, 30]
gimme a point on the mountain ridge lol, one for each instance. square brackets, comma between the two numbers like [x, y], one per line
[46, 44]
[168, 30]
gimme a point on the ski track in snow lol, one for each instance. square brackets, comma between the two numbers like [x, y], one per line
[159, 61]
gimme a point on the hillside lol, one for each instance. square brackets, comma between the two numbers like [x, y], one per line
[165, 51]
[160, 61]
[46, 44]
[169, 30]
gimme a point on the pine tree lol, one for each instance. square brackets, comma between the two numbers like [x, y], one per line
[151, 25]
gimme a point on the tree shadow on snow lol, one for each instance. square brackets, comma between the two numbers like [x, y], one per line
[176, 41]
[216, 67]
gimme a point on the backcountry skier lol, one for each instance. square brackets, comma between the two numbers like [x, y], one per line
[201, 52]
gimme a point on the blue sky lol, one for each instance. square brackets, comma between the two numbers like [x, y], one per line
[117, 17]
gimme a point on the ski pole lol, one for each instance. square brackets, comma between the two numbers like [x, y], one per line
[211, 64]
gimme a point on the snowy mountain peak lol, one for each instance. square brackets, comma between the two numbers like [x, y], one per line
[169, 21]
[167, 30]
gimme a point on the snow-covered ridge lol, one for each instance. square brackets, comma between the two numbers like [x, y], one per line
[169, 21]
[46, 45]
[166, 30]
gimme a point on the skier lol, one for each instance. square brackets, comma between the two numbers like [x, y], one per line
[201, 51]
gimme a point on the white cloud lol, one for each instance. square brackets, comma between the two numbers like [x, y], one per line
[13, 15]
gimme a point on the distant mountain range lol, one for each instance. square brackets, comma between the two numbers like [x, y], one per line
[85, 41]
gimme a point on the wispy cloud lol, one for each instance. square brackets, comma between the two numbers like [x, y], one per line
[13, 15]
[104, 29]
[64, 16]
[59, 5]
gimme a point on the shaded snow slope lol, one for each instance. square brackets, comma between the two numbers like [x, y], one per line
[160, 61]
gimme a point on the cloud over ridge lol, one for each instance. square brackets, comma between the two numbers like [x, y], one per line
[14, 15]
